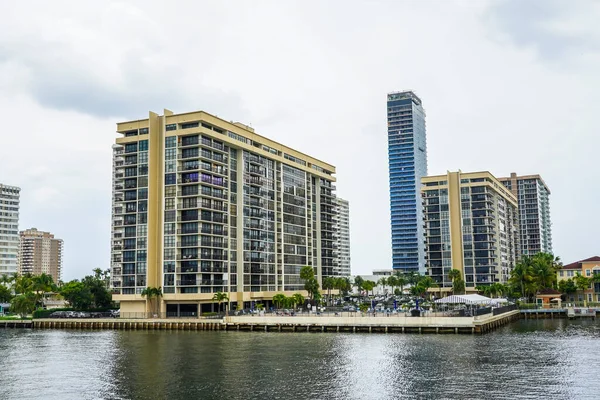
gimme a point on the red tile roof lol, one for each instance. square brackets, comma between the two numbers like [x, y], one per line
[577, 264]
[549, 291]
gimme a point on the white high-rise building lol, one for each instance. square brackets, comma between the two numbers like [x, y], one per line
[9, 228]
[343, 215]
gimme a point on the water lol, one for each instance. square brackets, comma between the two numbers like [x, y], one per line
[545, 359]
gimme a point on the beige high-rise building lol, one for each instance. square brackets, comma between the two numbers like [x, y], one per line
[471, 224]
[535, 225]
[40, 253]
[202, 205]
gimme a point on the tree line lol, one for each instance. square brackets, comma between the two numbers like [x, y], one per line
[27, 292]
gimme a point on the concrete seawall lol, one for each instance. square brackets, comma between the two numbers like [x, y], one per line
[382, 324]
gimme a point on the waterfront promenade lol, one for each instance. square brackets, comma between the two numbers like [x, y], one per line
[300, 323]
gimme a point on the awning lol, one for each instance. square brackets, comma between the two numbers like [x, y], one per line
[464, 299]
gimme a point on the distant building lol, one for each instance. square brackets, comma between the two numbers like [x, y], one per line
[535, 227]
[40, 253]
[375, 277]
[9, 228]
[343, 216]
[589, 268]
[472, 226]
[407, 154]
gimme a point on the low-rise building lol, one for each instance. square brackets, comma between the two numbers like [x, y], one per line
[588, 268]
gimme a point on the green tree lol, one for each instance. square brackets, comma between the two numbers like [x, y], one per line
[298, 300]
[279, 299]
[358, 283]
[369, 286]
[582, 283]
[42, 284]
[152, 293]
[521, 276]
[328, 284]
[401, 281]
[458, 286]
[567, 286]
[454, 274]
[220, 297]
[5, 294]
[392, 283]
[23, 304]
[311, 285]
[77, 295]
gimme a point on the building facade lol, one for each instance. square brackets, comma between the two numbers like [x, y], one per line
[471, 225]
[535, 227]
[407, 155]
[343, 232]
[590, 267]
[202, 205]
[9, 228]
[40, 253]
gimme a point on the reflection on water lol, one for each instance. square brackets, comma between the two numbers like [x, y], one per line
[526, 360]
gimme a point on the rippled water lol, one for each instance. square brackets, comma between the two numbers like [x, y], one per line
[545, 359]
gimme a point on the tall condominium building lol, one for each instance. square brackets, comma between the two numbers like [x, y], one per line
[471, 224]
[407, 153]
[9, 228]
[343, 231]
[202, 205]
[40, 253]
[535, 227]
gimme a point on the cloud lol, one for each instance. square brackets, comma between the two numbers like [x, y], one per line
[556, 30]
[507, 86]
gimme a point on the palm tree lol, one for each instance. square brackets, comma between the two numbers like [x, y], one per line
[521, 275]
[582, 283]
[401, 281]
[383, 282]
[298, 299]
[151, 293]
[279, 299]
[220, 297]
[455, 277]
[391, 281]
[23, 304]
[42, 284]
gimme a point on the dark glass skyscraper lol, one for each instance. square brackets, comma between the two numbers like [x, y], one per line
[407, 155]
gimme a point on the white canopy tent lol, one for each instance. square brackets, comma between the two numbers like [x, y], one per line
[465, 299]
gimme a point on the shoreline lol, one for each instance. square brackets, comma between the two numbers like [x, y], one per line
[366, 324]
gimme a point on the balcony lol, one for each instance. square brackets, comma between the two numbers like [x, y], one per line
[187, 283]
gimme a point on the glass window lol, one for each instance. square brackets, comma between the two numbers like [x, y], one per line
[143, 145]
[171, 141]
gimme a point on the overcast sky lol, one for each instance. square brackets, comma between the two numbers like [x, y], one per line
[508, 86]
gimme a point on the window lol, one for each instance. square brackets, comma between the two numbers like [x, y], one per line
[570, 273]
[143, 145]
[588, 272]
[170, 154]
[170, 179]
[143, 158]
[143, 131]
[190, 125]
[141, 255]
[142, 194]
[171, 141]
[171, 127]
[170, 204]
[562, 273]
[169, 241]
[131, 147]
[170, 216]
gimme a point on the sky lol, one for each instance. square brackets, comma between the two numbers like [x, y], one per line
[508, 86]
